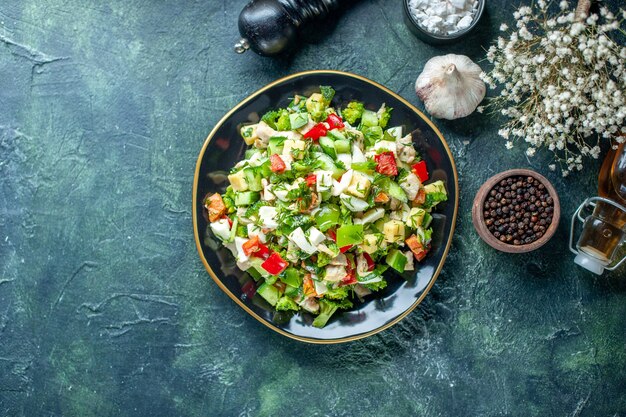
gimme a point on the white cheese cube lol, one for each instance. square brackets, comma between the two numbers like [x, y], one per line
[238, 181]
[393, 231]
[324, 180]
[359, 185]
[221, 229]
[290, 145]
[268, 216]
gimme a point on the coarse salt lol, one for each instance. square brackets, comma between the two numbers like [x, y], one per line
[444, 17]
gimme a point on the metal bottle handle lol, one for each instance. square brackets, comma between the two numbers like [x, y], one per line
[591, 201]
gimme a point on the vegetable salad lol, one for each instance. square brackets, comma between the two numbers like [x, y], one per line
[324, 202]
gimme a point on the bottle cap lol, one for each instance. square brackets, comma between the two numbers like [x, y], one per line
[589, 263]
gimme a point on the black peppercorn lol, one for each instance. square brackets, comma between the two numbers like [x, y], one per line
[518, 210]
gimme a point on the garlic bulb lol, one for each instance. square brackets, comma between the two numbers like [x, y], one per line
[450, 86]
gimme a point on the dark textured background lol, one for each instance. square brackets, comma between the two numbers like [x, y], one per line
[105, 308]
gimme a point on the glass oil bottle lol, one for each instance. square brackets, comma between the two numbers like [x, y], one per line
[604, 230]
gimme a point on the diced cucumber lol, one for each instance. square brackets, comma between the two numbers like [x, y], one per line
[396, 260]
[342, 146]
[336, 134]
[265, 169]
[253, 179]
[396, 191]
[297, 120]
[256, 275]
[246, 198]
[275, 145]
[328, 146]
[327, 164]
[427, 220]
[269, 292]
[369, 118]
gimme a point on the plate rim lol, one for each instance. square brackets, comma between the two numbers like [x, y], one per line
[236, 299]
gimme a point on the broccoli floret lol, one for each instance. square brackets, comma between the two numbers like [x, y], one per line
[384, 116]
[338, 293]
[353, 112]
[286, 304]
[270, 118]
[327, 93]
[323, 259]
[327, 309]
[283, 122]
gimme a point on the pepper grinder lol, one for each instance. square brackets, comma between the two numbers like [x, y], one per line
[270, 27]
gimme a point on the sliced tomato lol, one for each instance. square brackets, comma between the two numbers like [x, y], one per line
[277, 164]
[308, 286]
[316, 131]
[332, 235]
[418, 249]
[386, 164]
[215, 207]
[381, 197]
[311, 180]
[420, 170]
[251, 245]
[420, 198]
[274, 264]
[334, 121]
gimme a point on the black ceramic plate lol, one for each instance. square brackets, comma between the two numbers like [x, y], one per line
[224, 147]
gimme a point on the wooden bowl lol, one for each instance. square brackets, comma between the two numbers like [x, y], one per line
[479, 220]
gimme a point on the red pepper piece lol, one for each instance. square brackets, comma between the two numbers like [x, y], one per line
[311, 180]
[316, 131]
[386, 164]
[334, 121]
[332, 235]
[420, 170]
[345, 249]
[370, 262]
[277, 164]
[263, 252]
[274, 264]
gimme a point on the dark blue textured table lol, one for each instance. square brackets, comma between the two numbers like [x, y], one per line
[105, 308]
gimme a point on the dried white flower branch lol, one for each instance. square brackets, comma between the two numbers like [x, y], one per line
[562, 80]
